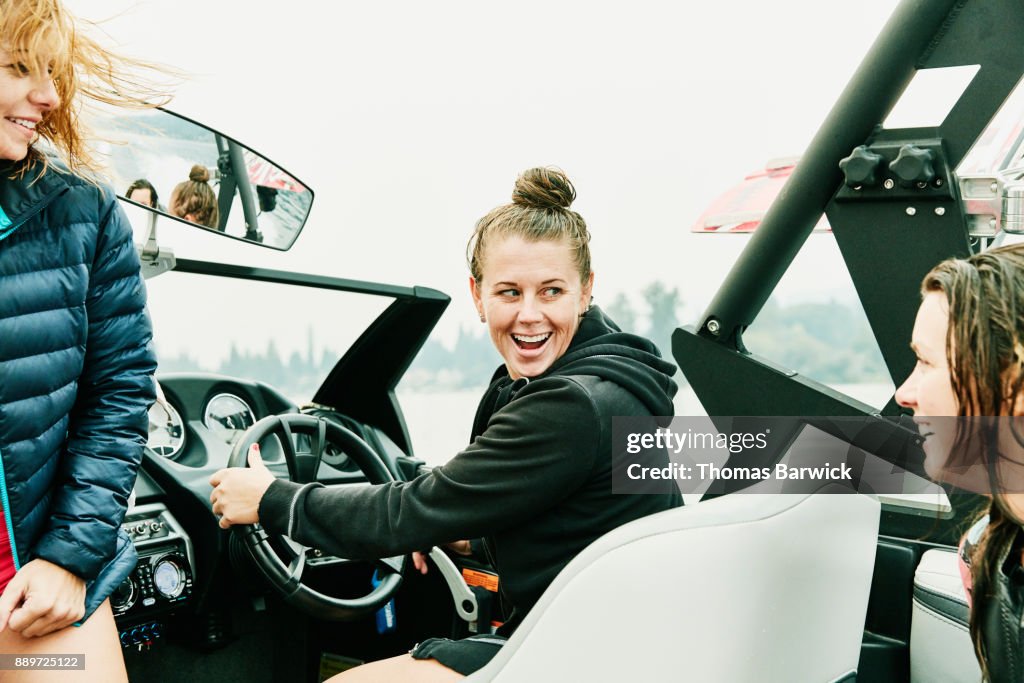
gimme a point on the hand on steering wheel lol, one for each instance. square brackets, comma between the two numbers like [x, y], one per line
[285, 575]
[237, 491]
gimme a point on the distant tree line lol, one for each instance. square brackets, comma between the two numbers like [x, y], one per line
[830, 342]
[297, 377]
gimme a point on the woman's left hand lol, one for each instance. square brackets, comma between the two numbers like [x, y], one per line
[41, 598]
[419, 559]
[238, 490]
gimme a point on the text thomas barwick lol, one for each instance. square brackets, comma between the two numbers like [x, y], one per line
[707, 471]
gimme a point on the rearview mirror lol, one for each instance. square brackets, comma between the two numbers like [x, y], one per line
[178, 168]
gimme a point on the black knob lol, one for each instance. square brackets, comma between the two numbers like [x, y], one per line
[913, 165]
[860, 167]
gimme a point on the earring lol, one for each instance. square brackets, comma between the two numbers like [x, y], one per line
[483, 319]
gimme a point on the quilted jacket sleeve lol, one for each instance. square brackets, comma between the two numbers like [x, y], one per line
[108, 425]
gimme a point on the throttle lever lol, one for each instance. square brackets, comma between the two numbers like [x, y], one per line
[465, 600]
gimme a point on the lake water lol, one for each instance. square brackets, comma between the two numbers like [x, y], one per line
[439, 422]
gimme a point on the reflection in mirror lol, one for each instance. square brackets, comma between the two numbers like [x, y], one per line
[166, 430]
[227, 416]
[182, 169]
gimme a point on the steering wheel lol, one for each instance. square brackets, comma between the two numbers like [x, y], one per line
[286, 576]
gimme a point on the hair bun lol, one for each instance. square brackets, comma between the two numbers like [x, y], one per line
[199, 174]
[544, 188]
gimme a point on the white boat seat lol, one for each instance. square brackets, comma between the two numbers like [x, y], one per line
[742, 588]
[940, 642]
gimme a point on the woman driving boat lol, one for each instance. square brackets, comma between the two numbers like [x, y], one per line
[536, 480]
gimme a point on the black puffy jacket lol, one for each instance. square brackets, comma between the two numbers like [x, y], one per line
[76, 368]
[1001, 612]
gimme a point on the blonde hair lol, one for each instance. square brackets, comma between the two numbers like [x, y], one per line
[45, 37]
[539, 211]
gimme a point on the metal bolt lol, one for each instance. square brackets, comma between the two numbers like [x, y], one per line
[937, 182]
[714, 327]
[911, 211]
[921, 185]
[889, 183]
[940, 211]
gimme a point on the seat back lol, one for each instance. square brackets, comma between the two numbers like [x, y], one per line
[941, 650]
[746, 587]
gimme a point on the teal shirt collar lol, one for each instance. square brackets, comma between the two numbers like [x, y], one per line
[5, 224]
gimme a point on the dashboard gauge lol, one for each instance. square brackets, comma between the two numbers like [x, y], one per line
[337, 458]
[334, 455]
[124, 596]
[228, 416]
[166, 430]
[168, 578]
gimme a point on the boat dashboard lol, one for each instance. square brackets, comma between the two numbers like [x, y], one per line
[185, 559]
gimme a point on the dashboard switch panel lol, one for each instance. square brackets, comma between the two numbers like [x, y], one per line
[162, 578]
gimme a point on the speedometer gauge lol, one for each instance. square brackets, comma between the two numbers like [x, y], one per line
[166, 430]
[228, 416]
[336, 457]
[168, 578]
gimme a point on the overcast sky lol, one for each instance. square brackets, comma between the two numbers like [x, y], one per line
[410, 120]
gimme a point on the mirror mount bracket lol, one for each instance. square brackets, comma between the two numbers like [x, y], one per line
[154, 258]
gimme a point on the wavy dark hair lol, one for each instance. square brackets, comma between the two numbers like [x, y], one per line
[984, 349]
[143, 184]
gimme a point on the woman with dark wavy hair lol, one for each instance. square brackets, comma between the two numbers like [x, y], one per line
[966, 395]
[143, 192]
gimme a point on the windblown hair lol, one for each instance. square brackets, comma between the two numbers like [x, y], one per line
[539, 211]
[42, 36]
[985, 352]
[195, 198]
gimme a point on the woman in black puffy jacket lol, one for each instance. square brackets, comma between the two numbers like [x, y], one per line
[76, 362]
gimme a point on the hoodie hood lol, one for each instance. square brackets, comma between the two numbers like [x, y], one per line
[601, 349]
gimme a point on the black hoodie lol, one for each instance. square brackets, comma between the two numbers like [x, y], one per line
[536, 480]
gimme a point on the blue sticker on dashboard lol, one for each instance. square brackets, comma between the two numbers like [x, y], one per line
[385, 615]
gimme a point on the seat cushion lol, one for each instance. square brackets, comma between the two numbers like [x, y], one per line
[940, 642]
